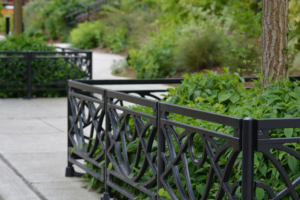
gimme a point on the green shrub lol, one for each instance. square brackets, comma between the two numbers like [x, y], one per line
[33, 18]
[60, 70]
[24, 43]
[200, 51]
[87, 35]
[117, 40]
[242, 52]
[49, 15]
[225, 94]
[155, 58]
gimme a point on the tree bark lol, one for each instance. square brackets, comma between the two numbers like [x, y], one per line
[275, 39]
[17, 21]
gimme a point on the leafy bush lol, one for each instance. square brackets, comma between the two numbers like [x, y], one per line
[225, 94]
[200, 51]
[24, 43]
[87, 35]
[59, 70]
[117, 40]
[155, 59]
[294, 37]
[33, 18]
[49, 15]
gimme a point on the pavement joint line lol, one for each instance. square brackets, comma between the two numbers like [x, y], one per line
[22, 177]
[51, 125]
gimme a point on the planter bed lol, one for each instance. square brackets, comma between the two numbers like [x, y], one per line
[96, 114]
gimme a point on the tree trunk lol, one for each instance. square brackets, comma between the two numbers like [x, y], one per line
[275, 39]
[17, 23]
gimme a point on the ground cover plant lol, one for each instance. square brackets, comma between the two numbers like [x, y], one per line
[60, 70]
[225, 94]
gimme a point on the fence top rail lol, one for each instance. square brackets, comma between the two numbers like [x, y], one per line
[292, 78]
[132, 81]
[202, 115]
[44, 52]
[278, 123]
[85, 87]
[153, 81]
[131, 99]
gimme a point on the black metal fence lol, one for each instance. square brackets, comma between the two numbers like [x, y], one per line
[99, 126]
[85, 11]
[43, 70]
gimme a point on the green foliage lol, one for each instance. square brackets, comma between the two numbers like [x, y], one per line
[34, 19]
[117, 40]
[294, 37]
[52, 72]
[87, 35]
[203, 36]
[225, 94]
[155, 59]
[24, 43]
[49, 15]
[200, 51]
[54, 16]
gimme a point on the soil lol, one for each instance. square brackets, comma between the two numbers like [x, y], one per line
[51, 41]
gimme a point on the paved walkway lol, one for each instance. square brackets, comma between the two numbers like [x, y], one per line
[33, 145]
[2, 37]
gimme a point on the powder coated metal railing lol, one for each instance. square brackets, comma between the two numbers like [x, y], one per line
[40, 70]
[99, 122]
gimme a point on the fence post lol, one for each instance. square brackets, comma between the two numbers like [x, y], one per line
[160, 149]
[107, 194]
[69, 169]
[29, 81]
[248, 158]
[7, 25]
[91, 64]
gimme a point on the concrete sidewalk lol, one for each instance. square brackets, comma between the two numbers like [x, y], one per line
[33, 144]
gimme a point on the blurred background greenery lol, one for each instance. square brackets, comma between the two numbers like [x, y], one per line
[165, 38]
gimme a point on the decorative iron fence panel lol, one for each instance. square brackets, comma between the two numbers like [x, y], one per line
[43, 71]
[214, 145]
[265, 145]
[165, 136]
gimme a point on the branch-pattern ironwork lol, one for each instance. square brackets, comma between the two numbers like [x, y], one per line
[86, 130]
[120, 135]
[265, 144]
[164, 145]
[211, 150]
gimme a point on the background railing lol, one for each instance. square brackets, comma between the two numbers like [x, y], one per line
[43, 71]
[87, 9]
